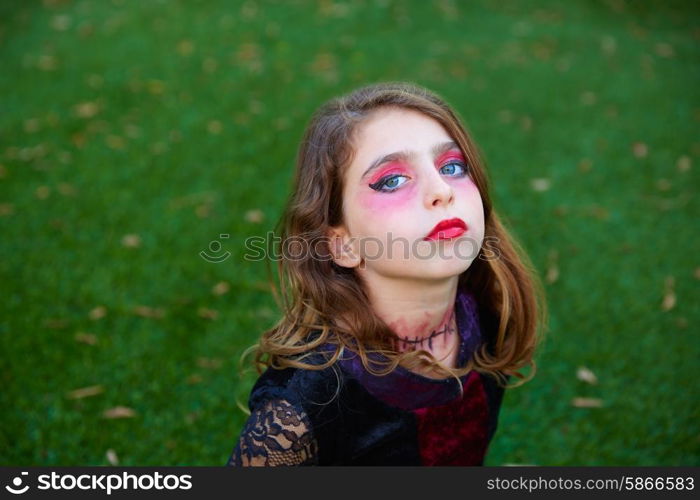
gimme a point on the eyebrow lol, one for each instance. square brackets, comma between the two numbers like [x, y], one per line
[438, 149]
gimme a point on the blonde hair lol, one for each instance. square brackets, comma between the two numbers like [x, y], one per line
[314, 292]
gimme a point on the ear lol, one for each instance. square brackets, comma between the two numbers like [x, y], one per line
[343, 247]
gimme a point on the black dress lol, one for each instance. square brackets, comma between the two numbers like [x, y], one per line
[344, 415]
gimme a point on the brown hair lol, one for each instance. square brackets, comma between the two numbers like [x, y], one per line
[315, 292]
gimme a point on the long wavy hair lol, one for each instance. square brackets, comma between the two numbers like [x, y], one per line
[314, 292]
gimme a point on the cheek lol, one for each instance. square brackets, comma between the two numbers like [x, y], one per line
[468, 190]
[387, 204]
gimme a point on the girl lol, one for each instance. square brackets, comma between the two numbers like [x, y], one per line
[407, 305]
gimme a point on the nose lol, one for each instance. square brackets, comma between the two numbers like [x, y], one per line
[438, 190]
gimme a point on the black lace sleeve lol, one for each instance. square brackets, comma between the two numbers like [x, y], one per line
[276, 434]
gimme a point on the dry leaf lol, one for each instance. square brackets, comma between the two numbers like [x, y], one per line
[588, 98]
[119, 412]
[214, 127]
[586, 375]
[264, 313]
[6, 209]
[585, 165]
[683, 163]
[255, 216]
[209, 363]
[3, 171]
[540, 184]
[552, 267]
[587, 402]
[669, 300]
[185, 47]
[664, 50]
[203, 211]
[115, 142]
[191, 417]
[209, 65]
[131, 241]
[85, 392]
[31, 125]
[66, 189]
[663, 184]
[86, 338]
[86, 109]
[60, 22]
[111, 456]
[149, 312]
[195, 378]
[203, 312]
[608, 44]
[156, 87]
[42, 192]
[221, 288]
[55, 323]
[640, 150]
[505, 115]
[696, 273]
[47, 62]
[98, 312]
[526, 123]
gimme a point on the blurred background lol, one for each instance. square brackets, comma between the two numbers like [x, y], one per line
[136, 134]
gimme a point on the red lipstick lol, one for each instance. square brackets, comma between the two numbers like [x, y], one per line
[447, 229]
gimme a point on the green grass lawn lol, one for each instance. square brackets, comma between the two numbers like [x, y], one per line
[133, 134]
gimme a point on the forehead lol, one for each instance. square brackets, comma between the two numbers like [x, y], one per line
[395, 129]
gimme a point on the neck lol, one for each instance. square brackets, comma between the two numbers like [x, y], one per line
[421, 314]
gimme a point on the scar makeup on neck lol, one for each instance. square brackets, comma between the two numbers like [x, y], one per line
[442, 332]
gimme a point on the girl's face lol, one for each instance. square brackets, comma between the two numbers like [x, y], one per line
[407, 176]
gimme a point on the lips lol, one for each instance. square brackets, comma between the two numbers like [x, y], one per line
[447, 229]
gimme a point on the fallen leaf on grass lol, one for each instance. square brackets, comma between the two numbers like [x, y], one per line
[669, 300]
[552, 267]
[640, 150]
[149, 312]
[255, 216]
[587, 402]
[211, 363]
[111, 456]
[214, 127]
[586, 375]
[86, 109]
[683, 164]
[131, 241]
[119, 412]
[205, 313]
[6, 209]
[42, 192]
[86, 338]
[221, 288]
[55, 323]
[66, 189]
[85, 392]
[98, 312]
[540, 184]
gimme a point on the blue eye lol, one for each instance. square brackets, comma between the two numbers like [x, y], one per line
[454, 164]
[390, 182]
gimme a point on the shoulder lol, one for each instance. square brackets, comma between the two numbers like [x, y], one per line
[287, 407]
[306, 388]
